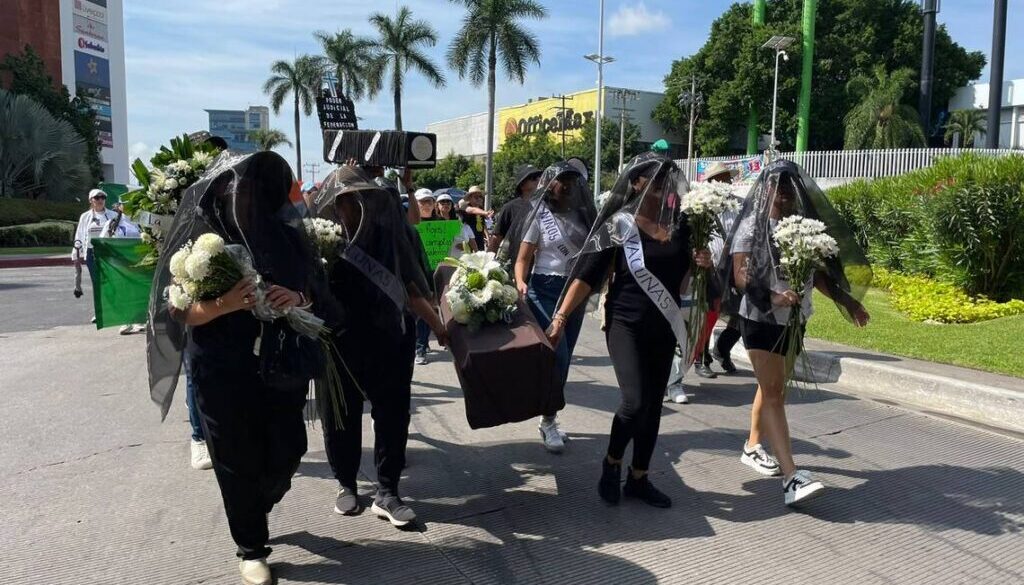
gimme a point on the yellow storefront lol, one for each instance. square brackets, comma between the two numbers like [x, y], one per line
[548, 116]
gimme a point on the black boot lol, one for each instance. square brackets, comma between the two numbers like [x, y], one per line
[644, 490]
[725, 359]
[610, 487]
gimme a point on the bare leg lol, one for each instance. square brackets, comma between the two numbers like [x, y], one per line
[769, 368]
[755, 420]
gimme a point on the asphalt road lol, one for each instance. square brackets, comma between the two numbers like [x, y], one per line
[34, 299]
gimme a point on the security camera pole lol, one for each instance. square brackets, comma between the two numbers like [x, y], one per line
[778, 43]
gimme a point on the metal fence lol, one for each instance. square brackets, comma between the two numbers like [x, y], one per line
[848, 165]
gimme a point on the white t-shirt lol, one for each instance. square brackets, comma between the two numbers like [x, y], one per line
[744, 243]
[466, 235]
[555, 251]
[90, 225]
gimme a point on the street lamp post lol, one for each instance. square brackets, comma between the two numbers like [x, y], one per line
[600, 59]
[694, 100]
[778, 43]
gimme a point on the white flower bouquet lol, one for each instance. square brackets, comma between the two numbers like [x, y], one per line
[326, 235]
[803, 246]
[480, 291]
[703, 205]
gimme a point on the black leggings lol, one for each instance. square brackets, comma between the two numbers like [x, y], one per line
[256, 436]
[642, 357]
[728, 337]
[383, 369]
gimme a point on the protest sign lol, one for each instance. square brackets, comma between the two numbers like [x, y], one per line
[437, 239]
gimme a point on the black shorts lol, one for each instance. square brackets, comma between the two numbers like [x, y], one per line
[766, 336]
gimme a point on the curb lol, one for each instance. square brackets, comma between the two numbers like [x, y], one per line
[979, 403]
[33, 262]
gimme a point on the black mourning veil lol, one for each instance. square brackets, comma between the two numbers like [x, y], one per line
[244, 199]
[847, 274]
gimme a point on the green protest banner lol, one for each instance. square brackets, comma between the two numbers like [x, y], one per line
[122, 289]
[437, 238]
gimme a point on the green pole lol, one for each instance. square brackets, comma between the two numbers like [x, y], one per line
[804, 108]
[752, 114]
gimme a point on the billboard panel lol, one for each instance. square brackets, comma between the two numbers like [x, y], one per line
[91, 46]
[91, 9]
[90, 28]
[546, 116]
[92, 83]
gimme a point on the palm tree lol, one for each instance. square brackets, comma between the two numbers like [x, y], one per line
[268, 139]
[350, 59]
[491, 29]
[399, 49]
[881, 120]
[966, 123]
[302, 80]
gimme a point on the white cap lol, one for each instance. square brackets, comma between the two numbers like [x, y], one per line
[444, 197]
[423, 194]
[97, 193]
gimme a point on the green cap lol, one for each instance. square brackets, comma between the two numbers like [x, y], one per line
[660, 146]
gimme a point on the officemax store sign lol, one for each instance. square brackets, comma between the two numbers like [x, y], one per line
[548, 117]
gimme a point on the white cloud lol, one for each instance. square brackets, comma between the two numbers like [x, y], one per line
[637, 19]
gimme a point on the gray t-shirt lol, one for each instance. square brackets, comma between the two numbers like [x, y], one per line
[555, 252]
[744, 243]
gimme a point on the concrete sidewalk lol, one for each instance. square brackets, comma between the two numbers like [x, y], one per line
[97, 490]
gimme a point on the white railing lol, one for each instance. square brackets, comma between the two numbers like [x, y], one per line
[839, 166]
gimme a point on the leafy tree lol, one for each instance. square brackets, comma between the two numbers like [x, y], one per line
[28, 77]
[968, 124]
[852, 36]
[491, 30]
[41, 156]
[350, 58]
[399, 48]
[880, 120]
[268, 139]
[300, 78]
[445, 174]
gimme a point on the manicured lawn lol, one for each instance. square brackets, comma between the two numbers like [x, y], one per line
[40, 250]
[993, 345]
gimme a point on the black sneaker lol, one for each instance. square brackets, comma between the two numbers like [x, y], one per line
[392, 509]
[610, 486]
[724, 360]
[347, 503]
[644, 490]
[703, 370]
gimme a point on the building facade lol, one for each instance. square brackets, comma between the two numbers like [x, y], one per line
[1011, 118]
[467, 135]
[234, 126]
[81, 43]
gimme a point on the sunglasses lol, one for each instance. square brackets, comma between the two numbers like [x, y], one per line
[104, 197]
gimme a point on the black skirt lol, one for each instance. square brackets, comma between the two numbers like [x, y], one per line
[766, 336]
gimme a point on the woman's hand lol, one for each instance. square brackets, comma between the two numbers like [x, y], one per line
[859, 314]
[555, 331]
[440, 333]
[785, 299]
[702, 258]
[241, 296]
[523, 288]
[281, 298]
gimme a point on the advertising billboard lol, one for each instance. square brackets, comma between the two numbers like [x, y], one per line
[546, 116]
[91, 9]
[91, 29]
[92, 83]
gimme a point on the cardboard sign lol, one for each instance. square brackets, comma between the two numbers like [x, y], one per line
[336, 113]
[437, 239]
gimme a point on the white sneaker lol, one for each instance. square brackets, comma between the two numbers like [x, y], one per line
[677, 394]
[255, 572]
[551, 436]
[760, 461]
[801, 487]
[201, 456]
[125, 330]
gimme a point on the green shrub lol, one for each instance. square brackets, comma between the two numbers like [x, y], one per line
[923, 299]
[46, 233]
[961, 221]
[22, 211]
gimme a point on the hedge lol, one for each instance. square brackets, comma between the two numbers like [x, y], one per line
[22, 211]
[46, 233]
[959, 221]
[923, 299]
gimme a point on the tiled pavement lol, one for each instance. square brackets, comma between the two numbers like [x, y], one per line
[97, 490]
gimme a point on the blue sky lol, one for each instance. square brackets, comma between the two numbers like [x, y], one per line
[189, 55]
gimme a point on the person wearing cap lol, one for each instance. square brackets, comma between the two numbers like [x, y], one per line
[660, 147]
[427, 204]
[446, 211]
[515, 210]
[474, 215]
[716, 173]
[90, 225]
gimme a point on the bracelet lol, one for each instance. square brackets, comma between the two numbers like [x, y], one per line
[219, 302]
[558, 316]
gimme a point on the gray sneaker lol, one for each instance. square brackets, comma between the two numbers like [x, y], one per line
[393, 510]
[347, 503]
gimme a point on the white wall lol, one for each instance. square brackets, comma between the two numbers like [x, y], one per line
[466, 135]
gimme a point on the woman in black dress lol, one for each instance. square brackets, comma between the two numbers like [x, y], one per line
[253, 423]
[641, 241]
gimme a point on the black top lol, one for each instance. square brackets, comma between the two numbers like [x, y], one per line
[511, 213]
[626, 301]
[476, 223]
[228, 339]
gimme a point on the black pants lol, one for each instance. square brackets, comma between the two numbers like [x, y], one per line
[383, 369]
[728, 338]
[641, 355]
[256, 436]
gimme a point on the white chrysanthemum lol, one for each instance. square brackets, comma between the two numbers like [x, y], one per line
[178, 261]
[198, 265]
[210, 243]
[482, 262]
[171, 184]
[178, 298]
[202, 159]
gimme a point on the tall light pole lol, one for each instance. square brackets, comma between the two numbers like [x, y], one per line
[803, 109]
[752, 131]
[623, 95]
[778, 43]
[694, 100]
[600, 59]
[995, 81]
[929, 8]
